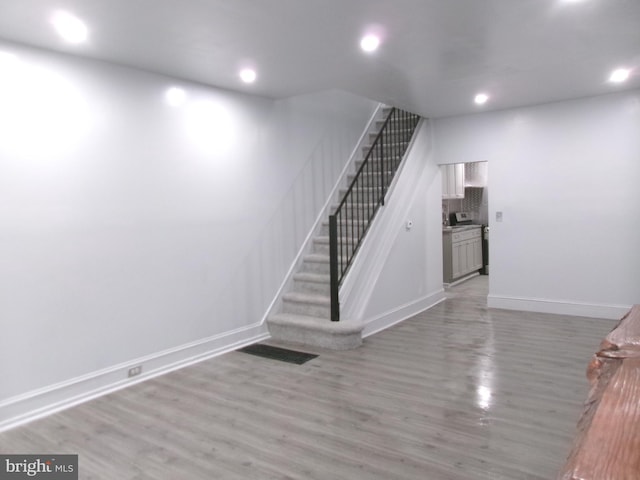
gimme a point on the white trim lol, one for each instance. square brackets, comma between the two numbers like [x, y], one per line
[557, 307]
[402, 313]
[462, 280]
[39, 403]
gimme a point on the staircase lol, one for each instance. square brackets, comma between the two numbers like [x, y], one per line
[307, 311]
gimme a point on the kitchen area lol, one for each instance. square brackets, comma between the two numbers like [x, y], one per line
[465, 221]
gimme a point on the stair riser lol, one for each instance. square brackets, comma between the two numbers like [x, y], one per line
[316, 267]
[308, 309]
[397, 121]
[371, 180]
[402, 134]
[361, 198]
[324, 230]
[357, 211]
[368, 194]
[311, 287]
[314, 338]
[388, 148]
[375, 166]
[323, 248]
[390, 163]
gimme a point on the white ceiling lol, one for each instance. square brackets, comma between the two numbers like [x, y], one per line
[436, 54]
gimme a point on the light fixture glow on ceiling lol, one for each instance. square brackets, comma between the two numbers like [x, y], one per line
[6, 57]
[370, 43]
[8, 60]
[175, 96]
[481, 98]
[70, 27]
[248, 75]
[620, 75]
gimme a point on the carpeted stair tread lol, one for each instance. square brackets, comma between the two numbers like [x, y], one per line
[359, 205]
[314, 323]
[321, 258]
[355, 221]
[304, 297]
[316, 258]
[312, 277]
[364, 190]
[373, 173]
[324, 240]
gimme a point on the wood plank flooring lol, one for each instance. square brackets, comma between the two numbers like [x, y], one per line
[458, 392]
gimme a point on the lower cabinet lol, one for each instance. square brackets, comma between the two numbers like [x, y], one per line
[462, 253]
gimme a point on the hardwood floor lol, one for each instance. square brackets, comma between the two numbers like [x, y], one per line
[458, 392]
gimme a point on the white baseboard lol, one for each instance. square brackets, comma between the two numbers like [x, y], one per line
[558, 307]
[461, 280]
[36, 404]
[397, 315]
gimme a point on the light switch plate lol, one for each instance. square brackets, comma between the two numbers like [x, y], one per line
[498, 216]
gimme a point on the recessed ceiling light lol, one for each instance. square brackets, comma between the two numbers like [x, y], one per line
[370, 43]
[8, 60]
[481, 98]
[248, 75]
[175, 96]
[620, 75]
[70, 27]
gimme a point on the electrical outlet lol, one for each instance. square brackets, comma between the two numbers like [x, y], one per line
[134, 371]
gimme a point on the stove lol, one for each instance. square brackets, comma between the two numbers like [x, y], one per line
[460, 218]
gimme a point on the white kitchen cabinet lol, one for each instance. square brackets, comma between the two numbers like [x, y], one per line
[462, 253]
[458, 259]
[452, 181]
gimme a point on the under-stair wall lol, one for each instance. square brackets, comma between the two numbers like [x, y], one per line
[398, 270]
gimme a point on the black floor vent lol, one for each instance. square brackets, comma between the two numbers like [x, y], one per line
[275, 353]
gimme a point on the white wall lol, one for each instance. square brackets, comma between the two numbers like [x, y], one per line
[132, 231]
[565, 175]
[398, 270]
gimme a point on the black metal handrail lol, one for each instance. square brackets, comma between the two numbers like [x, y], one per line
[366, 193]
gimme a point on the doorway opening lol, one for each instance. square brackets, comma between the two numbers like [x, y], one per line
[465, 221]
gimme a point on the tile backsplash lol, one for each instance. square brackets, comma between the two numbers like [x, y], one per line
[476, 195]
[475, 201]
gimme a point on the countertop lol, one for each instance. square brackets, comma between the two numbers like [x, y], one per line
[459, 228]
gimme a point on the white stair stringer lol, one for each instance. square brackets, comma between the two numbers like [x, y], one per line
[305, 309]
[357, 289]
